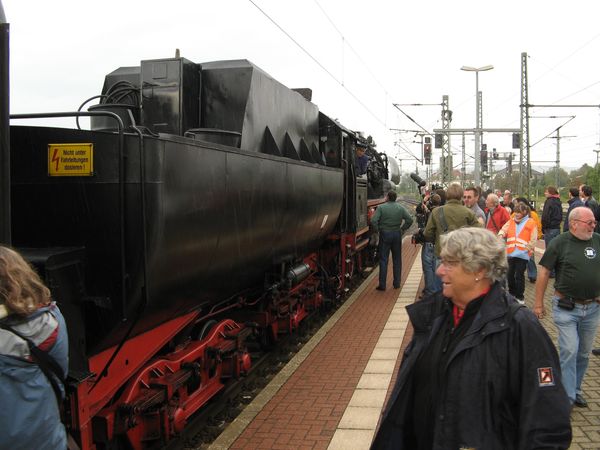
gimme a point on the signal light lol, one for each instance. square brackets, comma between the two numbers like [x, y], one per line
[427, 152]
[516, 140]
[484, 159]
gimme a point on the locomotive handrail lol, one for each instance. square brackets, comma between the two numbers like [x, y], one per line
[144, 302]
[121, 177]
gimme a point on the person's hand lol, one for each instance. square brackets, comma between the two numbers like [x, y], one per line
[539, 311]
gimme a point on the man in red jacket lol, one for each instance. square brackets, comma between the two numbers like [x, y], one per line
[495, 214]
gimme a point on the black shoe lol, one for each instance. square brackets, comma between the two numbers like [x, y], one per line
[379, 288]
[580, 401]
[596, 351]
[396, 287]
[532, 280]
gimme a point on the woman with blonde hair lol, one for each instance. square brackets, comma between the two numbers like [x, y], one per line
[33, 358]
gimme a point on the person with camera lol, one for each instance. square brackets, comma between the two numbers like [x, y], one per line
[428, 262]
[449, 217]
[575, 256]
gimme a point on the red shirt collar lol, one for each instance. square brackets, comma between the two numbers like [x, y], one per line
[458, 313]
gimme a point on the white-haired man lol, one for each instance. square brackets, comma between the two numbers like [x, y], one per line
[575, 255]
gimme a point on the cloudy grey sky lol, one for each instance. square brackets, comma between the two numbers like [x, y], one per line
[358, 57]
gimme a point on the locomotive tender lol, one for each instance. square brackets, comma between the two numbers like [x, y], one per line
[208, 204]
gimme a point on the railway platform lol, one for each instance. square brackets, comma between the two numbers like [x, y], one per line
[330, 395]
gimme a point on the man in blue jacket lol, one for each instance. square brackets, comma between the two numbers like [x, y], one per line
[574, 201]
[551, 216]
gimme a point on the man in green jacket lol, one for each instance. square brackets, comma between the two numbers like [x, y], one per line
[391, 219]
[451, 216]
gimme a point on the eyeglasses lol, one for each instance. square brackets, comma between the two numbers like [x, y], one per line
[589, 223]
[449, 263]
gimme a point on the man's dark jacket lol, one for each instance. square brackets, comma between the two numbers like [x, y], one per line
[497, 392]
[552, 214]
[593, 205]
[574, 202]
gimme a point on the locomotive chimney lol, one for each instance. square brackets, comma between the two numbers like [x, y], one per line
[4, 133]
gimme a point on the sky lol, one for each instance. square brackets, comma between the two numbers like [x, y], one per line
[359, 59]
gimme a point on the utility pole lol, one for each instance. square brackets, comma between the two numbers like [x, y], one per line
[596, 168]
[478, 114]
[557, 156]
[446, 156]
[524, 149]
[558, 137]
[491, 160]
[463, 169]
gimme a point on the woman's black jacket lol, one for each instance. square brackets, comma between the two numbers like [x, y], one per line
[502, 386]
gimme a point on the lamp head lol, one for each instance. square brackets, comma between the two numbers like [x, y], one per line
[476, 69]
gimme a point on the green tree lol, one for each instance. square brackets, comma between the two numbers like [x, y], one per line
[508, 181]
[579, 176]
[550, 178]
[592, 179]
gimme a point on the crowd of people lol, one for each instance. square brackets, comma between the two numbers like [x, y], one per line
[480, 370]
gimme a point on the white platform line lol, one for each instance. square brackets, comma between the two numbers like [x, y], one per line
[359, 422]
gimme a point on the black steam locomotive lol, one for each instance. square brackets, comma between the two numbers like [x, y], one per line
[207, 204]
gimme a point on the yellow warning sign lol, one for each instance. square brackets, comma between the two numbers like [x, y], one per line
[70, 160]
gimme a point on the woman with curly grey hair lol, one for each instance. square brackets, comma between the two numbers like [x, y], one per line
[480, 371]
[33, 358]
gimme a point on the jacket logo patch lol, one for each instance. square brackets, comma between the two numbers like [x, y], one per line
[545, 376]
[590, 253]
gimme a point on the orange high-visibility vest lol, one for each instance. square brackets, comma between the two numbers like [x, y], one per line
[520, 241]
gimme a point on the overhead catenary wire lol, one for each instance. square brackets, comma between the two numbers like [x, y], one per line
[316, 61]
[345, 41]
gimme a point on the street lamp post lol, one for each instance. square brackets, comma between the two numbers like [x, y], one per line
[596, 166]
[476, 171]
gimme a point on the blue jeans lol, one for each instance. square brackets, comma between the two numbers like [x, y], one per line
[531, 267]
[576, 332]
[390, 240]
[428, 262]
[548, 236]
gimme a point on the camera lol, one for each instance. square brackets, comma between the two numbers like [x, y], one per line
[422, 213]
[418, 237]
[417, 179]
